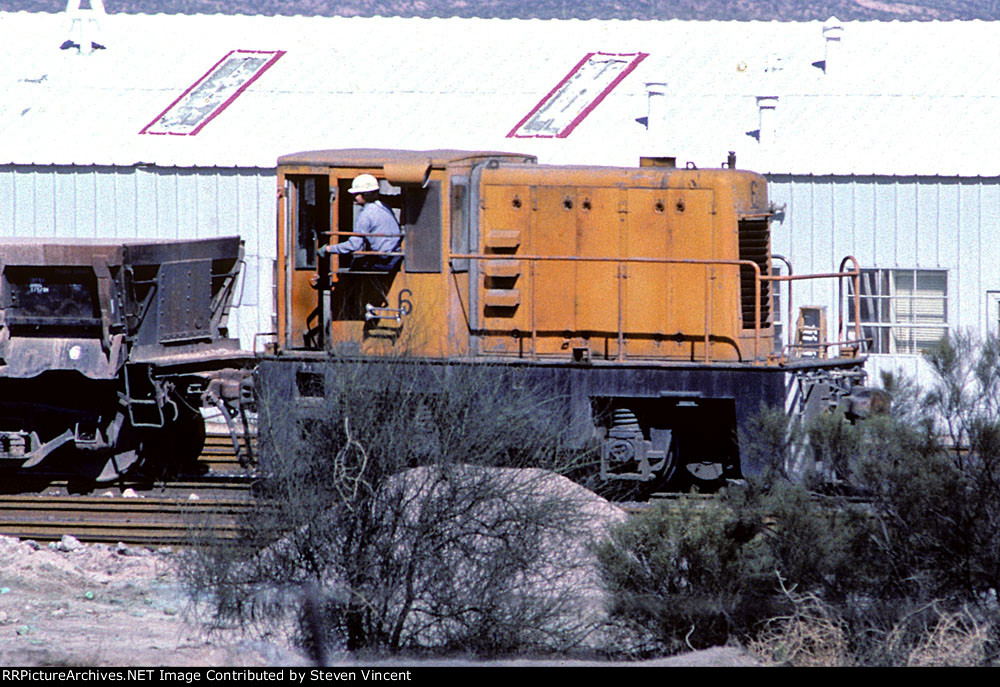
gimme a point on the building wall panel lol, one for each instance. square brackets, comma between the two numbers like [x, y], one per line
[147, 216]
[165, 205]
[86, 209]
[7, 199]
[881, 223]
[988, 252]
[188, 204]
[843, 224]
[927, 216]
[897, 222]
[105, 201]
[23, 196]
[64, 202]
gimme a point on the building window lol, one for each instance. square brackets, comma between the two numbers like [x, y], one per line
[902, 311]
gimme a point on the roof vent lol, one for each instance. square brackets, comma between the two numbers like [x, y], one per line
[766, 105]
[833, 32]
[84, 26]
[656, 96]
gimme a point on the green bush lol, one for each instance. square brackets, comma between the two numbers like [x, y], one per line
[893, 553]
[680, 579]
[698, 574]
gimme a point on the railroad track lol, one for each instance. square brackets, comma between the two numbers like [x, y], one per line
[156, 513]
[218, 456]
[142, 520]
[672, 501]
[148, 512]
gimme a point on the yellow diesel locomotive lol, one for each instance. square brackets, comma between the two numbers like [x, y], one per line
[643, 298]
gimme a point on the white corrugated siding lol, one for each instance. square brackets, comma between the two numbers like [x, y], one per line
[895, 222]
[885, 222]
[153, 202]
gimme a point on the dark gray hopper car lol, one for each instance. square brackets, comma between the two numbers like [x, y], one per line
[110, 349]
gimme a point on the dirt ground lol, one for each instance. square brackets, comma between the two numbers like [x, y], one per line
[100, 605]
[95, 605]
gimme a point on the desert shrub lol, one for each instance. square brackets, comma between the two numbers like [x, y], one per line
[404, 509]
[679, 578]
[952, 638]
[697, 574]
[934, 481]
[810, 635]
[889, 559]
[771, 445]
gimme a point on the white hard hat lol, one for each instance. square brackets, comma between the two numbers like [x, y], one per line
[363, 183]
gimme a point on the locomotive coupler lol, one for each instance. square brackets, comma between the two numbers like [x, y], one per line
[231, 391]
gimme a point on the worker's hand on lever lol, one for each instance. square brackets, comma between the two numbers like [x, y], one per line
[314, 281]
[316, 284]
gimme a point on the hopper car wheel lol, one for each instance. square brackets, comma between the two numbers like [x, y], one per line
[117, 465]
[175, 449]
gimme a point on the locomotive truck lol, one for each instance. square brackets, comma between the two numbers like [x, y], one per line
[641, 298]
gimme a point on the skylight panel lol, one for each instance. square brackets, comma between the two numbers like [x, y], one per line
[207, 97]
[573, 98]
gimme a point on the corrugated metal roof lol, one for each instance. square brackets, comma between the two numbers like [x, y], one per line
[897, 98]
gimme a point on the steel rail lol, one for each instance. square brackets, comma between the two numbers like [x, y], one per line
[150, 521]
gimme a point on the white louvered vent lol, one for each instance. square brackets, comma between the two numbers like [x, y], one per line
[833, 34]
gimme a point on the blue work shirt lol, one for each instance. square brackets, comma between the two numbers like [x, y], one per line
[374, 218]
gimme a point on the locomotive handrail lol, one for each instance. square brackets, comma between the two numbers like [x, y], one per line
[820, 345]
[856, 278]
[854, 274]
[646, 260]
[361, 233]
[758, 278]
[377, 252]
[788, 266]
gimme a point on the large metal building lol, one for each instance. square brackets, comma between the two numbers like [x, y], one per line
[878, 138]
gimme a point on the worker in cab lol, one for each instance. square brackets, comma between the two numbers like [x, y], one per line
[375, 229]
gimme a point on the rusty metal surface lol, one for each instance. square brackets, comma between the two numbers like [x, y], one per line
[82, 305]
[102, 338]
[183, 301]
[79, 251]
[219, 353]
[374, 157]
[31, 356]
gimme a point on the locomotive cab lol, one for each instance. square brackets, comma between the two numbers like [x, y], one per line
[333, 303]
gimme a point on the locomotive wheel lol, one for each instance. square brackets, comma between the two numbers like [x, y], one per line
[706, 476]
